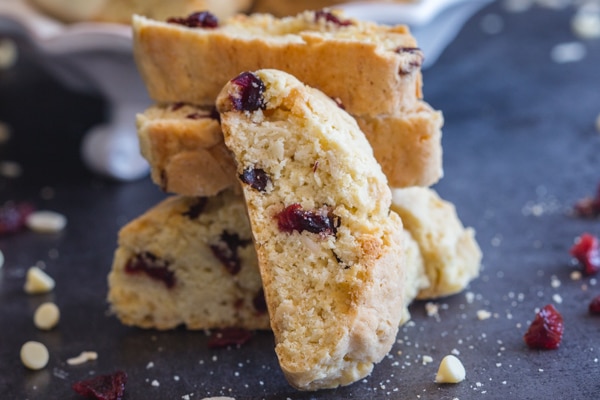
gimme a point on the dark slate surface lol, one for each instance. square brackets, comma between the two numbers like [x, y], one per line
[520, 149]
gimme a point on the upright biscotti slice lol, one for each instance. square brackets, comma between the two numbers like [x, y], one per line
[372, 69]
[184, 146]
[185, 150]
[188, 261]
[451, 254]
[330, 250]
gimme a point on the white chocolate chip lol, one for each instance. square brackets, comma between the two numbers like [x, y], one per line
[84, 357]
[37, 281]
[46, 221]
[451, 370]
[34, 355]
[483, 315]
[46, 316]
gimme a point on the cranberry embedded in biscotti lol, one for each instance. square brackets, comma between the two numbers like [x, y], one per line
[249, 91]
[259, 302]
[320, 221]
[226, 251]
[202, 19]
[197, 208]
[328, 16]
[257, 178]
[152, 266]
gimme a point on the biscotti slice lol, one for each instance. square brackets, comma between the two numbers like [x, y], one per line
[188, 261]
[372, 69]
[330, 250]
[450, 252]
[120, 11]
[185, 150]
[184, 146]
[407, 145]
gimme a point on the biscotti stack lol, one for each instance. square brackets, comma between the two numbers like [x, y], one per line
[310, 155]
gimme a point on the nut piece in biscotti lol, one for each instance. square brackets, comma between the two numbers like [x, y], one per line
[188, 261]
[120, 11]
[451, 254]
[407, 145]
[372, 69]
[185, 149]
[330, 250]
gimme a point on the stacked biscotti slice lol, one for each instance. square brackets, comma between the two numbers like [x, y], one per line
[154, 275]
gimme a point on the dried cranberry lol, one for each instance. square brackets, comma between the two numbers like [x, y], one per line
[257, 178]
[197, 208]
[13, 216]
[586, 251]
[226, 251]
[415, 63]
[259, 302]
[103, 387]
[545, 332]
[249, 92]
[202, 19]
[594, 307]
[152, 266]
[228, 336]
[328, 16]
[294, 218]
[588, 207]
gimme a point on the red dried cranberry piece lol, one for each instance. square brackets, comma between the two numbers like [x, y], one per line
[226, 251]
[594, 307]
[202, 19]
[328, 16]
[197, 208]
[257, 178]
[249, 92]
[294, 218]
[588, 207]
[152, 266]
[546, 330]
[228, 336]
[13, 216]
[103, 387]
[259, 302]
[587, 252]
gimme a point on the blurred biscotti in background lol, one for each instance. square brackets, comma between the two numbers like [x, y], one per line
[120, 11]
[283, 8]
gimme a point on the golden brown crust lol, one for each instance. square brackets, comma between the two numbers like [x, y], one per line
[184, 147]
[408, 145]
[372, 69]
